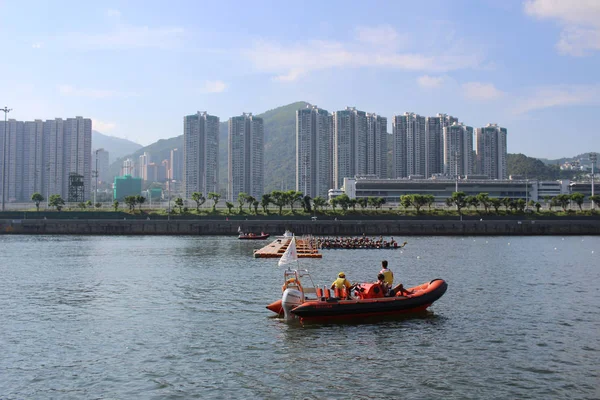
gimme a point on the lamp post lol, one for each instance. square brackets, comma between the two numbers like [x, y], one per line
[593, 160]
[47, 186]
[6, 111]
[96, 174]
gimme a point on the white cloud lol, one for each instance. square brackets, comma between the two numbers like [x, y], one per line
[36, 45]
[69, 90]
[558, 95]
[288, 62]
[124, 36]
[580, 21]
[481, 91]
[427, 81]
[102, 126]
[214, 87]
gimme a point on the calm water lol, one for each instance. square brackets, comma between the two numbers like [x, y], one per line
[185, 317]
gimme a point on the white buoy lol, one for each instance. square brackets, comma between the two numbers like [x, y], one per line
[418, 257]
[555, 248]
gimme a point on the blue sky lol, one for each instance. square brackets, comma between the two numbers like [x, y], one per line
[137, 67]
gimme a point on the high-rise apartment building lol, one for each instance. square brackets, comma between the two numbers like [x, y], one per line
[434, 143]
[377, 142]
[314, 151]
[100, 164]
[246, 150]
[409, 155]
[201, 153]
[176, 165]
[143, 162]
[51, 157]
[349, 144]
[490, 146]
[458, 150]
[128, 168]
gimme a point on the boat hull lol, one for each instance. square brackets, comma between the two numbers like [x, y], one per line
[254, 237]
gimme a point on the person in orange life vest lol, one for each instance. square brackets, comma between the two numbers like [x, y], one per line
[387, 273]
[341, 282]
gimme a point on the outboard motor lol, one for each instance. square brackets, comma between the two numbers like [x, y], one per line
[291, 299]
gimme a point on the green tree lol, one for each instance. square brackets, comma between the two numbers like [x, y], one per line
[241, 199]
[215, 197]
[131, 201]
[484, 200]
[352, 203]
[265, 200]
[563, 201]
[56, 201]
[179, 203]
[255, 205]
[363, 202]
[37, 199]
[344, 201]
[306, 204]
[81, 205]
[578, 198]
[116, 205]
[334, 203]
[472, 201]
[89, 204]
[139, 199]
[319, 202]
[250, 201]
[458, 199]
[520, 204]
[537, 206]
[279, 198]
[405, 201]
[429, 200]
[293, 197]
[199, 199]
[496, 203]
[506, 202]
[595, 199]
[229, 207]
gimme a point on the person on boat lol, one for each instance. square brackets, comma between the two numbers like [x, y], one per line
[341, 282]
[387, 273]
[386, 288]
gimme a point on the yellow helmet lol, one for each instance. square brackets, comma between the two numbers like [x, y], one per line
[341, 275]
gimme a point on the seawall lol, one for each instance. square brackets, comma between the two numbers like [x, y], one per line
[395, 227]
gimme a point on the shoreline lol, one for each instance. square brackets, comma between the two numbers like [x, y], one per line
[342, 227]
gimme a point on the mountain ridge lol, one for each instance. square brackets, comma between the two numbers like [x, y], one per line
[116, 147]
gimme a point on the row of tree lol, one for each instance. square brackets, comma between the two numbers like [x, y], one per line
[292, 198]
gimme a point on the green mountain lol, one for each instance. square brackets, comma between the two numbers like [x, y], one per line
[280, 148]
[115, 146]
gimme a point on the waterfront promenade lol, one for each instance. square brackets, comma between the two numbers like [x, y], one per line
[223, 226]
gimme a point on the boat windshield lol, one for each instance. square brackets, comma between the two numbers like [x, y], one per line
[292, 276]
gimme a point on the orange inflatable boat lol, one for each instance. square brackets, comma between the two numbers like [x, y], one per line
[367, 299]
